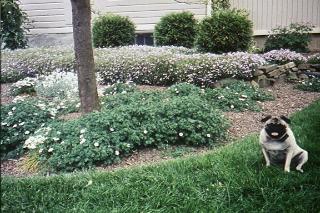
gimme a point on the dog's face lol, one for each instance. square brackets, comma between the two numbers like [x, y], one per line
[276, 127]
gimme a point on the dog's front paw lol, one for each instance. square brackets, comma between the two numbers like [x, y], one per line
[287, 170]
[267, 164]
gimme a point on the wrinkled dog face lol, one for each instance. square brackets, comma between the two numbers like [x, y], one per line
[275, 127]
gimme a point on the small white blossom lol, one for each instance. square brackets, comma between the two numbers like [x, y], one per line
[180, 134]
[232, 107]
[111, 129]
[145, 131]
[55, 139]
[27, 132]
[14, 126]
[21, 124]
[50, 150]
[96, 144]
[82, 131]
[13, 108]
[208, 135]
[40, 151]
[117, 152]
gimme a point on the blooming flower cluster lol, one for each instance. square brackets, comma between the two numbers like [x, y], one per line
[314, 59]
[25, 85]
[283, 56]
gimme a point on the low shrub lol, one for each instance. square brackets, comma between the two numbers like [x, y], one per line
[314, 59]
[217, 33]
[120, 88]
[177, 29]
[237, 96]
[161, 66]
[284, 56]
[60, 85]
[311, 85]
[31, 62]
[25, 86]
[112, 30]
[295, 37]
[13, 25]
[20, 121]
[106, 136]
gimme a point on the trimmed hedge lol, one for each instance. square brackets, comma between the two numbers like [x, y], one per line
[112, 30]
[143, 65]
[225, 31]
[177, 29]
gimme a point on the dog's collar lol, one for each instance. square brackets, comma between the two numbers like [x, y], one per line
[282, 139]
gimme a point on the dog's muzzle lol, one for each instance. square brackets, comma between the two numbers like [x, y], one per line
[275, 130]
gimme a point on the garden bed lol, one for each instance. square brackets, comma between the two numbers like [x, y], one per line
[287, 101]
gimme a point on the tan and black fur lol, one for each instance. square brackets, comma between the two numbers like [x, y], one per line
[279, 144]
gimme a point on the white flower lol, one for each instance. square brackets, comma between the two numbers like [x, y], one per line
[111, 129]
[13, 108]
[208, 135]
[145, 131]
[50, 149]
[40, 151]
[82, 131]
[82, 140]
[14, 126]
[55, 139]
[124, 92]
[180, 134]
[116, 152]
[89, 183]
[242, 99]
[10, 113]
[27, 132]
[4, 123]
[96, 144]
[62, 142]
[177, 91]
[231, 106]
[21, 124]
[58, 133]
[244, 96]
[78, 105]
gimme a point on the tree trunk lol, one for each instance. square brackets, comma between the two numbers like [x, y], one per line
[81, 17]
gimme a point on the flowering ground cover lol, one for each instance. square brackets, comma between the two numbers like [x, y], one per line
[231, 178]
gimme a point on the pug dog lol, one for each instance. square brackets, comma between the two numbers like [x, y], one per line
[279, 144]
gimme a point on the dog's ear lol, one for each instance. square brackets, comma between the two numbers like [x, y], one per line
[287, 120]
[266, 118]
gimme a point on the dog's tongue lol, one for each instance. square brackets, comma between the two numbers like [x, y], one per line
[274, 133]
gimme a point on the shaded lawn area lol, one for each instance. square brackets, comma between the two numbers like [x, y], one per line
[232, 178]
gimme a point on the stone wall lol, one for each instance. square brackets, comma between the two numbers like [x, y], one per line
[267, 75]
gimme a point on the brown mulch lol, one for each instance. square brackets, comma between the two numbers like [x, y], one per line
[287, 101]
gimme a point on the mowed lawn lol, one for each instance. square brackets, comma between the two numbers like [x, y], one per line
[232, 178]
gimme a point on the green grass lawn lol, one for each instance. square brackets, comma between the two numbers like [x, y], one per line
[232, 178]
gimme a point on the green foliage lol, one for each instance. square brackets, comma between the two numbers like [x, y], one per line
[113, 30]
[237, 96]
[184, 89]
[220, 4]
[314, 59]
[25, 86]
[127, 122]
[20, 121]
[295, 37]
[120, 88]
[311, 85]
[217, 33]
[232, 178]
[13, 31]
[177, 29]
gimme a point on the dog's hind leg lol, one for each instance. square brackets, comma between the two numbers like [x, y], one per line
[303, 158]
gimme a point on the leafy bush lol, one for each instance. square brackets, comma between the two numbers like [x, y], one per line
[177, 29]
[21, 120]
[112, 30]
[314, 59]
[106, 136]
[237, 96]
[61, 85]
[120, 88]
[220, 4]
[13, 31]
[311, 85]
[23, 86]
[294, 37]
[284, 56]
[217, 33]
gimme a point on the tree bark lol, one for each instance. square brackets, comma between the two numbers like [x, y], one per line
[81, 18]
